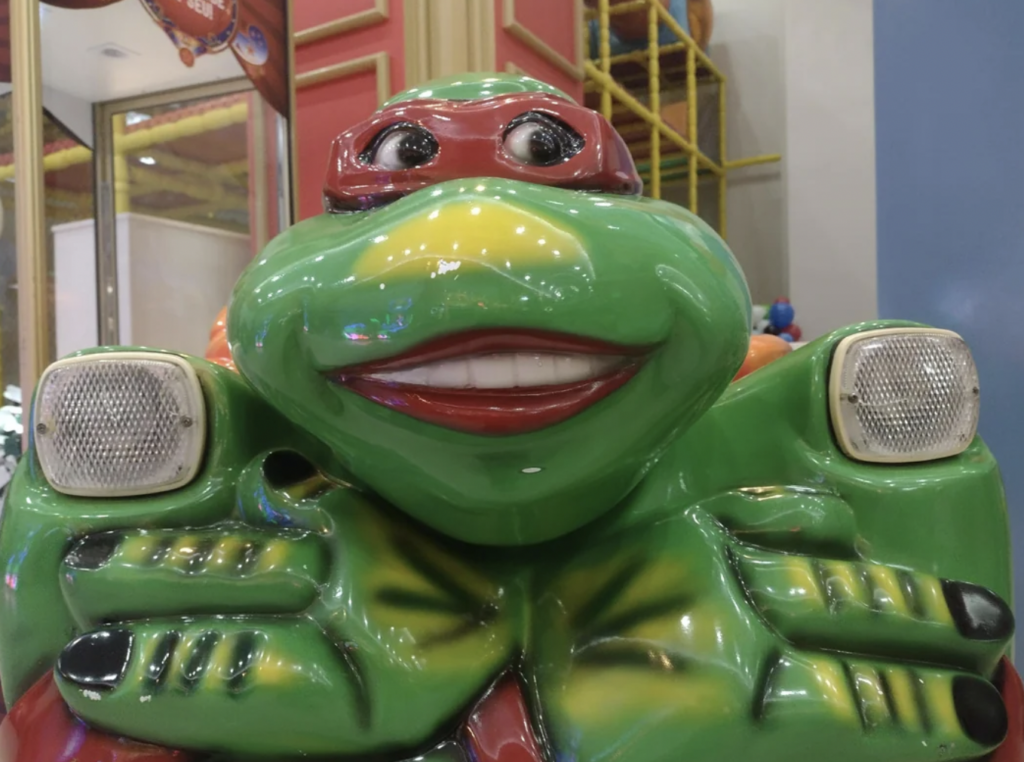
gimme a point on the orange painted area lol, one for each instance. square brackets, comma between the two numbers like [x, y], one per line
[764, 348]
[218, 351]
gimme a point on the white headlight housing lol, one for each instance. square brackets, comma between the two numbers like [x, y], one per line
[119, 424]
[903, 395]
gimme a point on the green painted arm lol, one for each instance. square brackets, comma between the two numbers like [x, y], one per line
[743, 597]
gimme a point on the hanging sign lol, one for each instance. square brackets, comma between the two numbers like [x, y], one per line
[196, 27]
[254, 31]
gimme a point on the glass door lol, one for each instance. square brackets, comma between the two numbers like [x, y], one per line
[188, 189]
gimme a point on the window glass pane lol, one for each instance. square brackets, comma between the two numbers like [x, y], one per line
[190, 213]
[69, 202]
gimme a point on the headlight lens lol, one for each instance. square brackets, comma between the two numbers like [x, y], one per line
[119, 424]
[904, 395]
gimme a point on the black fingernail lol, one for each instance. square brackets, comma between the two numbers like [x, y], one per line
[93, 551]
[981, 711]
[98, 659]
[979, 613]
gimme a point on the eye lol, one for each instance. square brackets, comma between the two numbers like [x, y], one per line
[401, 146]
[541, 140]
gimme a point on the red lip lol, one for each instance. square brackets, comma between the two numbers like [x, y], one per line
[494, 411]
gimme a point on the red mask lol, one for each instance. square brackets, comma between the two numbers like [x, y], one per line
[451, 140]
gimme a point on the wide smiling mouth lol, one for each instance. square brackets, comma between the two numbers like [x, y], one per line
[496, 382]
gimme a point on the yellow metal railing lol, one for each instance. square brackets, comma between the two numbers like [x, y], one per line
[616, 98]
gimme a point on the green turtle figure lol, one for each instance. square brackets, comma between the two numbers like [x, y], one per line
[482, 491]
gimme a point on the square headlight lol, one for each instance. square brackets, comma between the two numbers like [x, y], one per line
[903, 395]
[119, 424]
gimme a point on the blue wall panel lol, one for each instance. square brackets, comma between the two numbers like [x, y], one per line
[950, 153]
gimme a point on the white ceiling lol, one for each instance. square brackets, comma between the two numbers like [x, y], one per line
[74, 62]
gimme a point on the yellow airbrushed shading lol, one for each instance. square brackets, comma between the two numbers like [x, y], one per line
[903, 699]
[887, 593]
[223, 661]
[938, 694]
[225, 555]
[182, 552]
[138, 549]
[470, 234]
[843, 581]
[933, 600]
[803, 580]
[827, 675]
[874, 706]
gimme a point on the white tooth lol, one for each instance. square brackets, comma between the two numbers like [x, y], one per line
[419, 376]
[493, 371]
[548, 368]
[415, 376]
[453, 374]
[602, 364]
[572, 368]
[535, 370]
[503, 371]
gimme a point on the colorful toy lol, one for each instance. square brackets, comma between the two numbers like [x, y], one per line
[781, 314]
[482, 489]
[776, 319]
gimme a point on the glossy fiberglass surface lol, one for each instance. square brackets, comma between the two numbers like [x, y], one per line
[483, 488]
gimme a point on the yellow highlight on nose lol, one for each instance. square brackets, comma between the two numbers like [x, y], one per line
[470, 234]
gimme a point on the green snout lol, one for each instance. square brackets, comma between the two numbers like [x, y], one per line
[343, 291]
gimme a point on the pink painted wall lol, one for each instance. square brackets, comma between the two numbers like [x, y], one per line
[554, 23]
[326, 109]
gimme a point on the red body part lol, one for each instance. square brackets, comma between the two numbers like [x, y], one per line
[41, 729]
[469, 135]
[499, 729]
[1012, 749]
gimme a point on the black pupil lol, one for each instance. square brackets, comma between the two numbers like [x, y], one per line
[546, 145]
[415, 148]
